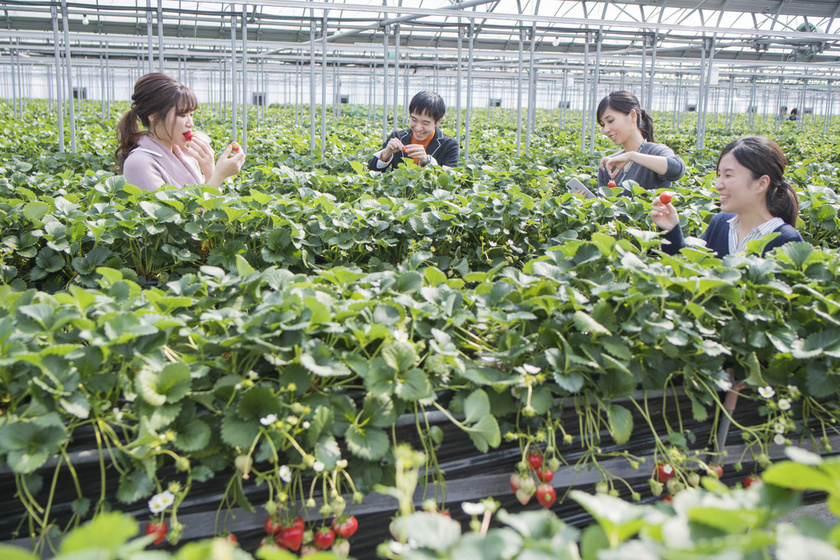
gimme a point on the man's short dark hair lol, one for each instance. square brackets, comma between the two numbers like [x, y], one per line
[427, 102]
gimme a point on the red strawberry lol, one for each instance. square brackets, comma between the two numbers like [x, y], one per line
[231, 538]
[535, 460]
[715, 471]
[272, 527]
[159, 531]
[664, 471]
[665, 198]
[611, 184]
[752, 479]
[668, 499]
[292, 536]
[345, 526]
[545, 474]
[188, 135]
[546, 495]
[234, 147]
[324, 538]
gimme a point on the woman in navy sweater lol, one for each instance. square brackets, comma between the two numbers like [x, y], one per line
[755, 201]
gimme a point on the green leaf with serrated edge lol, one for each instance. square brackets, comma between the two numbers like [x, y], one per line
[399, 355]
[413, 385]
[239, 433]
[319, 359]
[194, 436]
[476, 406]
[379, 410]
[81, 507]
[586, 324]
[328, 452]
[428, 530]
[620, 423]
[485, 433]
[367, 443]
[108, 530]
[795, 475]
[134, 486]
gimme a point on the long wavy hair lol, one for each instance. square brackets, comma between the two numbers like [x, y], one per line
[154, 96]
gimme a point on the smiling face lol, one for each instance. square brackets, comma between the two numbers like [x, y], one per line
[617, 126]
[739, 191]
[422, 126]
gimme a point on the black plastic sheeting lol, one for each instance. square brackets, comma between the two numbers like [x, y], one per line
[470, 475]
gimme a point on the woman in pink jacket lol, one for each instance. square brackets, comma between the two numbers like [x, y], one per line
[169, 151]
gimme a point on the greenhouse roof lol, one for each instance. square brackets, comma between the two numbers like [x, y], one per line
[763, 38]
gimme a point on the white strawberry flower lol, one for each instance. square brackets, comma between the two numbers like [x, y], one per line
[784, 404]
[766, 392]
[318, 466]
[160, 502]
[400, 336]
[285, 474]
[779, 439]
[268, 420]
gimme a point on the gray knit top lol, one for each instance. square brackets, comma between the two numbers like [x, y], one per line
[644, 176]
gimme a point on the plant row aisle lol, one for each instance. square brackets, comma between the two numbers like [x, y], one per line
[313, 338]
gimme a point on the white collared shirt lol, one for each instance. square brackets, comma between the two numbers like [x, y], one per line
[757, 233]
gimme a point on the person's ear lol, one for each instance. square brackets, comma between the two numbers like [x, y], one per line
[440, 120]
[763, 184]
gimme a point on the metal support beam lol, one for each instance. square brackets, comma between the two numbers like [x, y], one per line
[59, 96]
[245, 78]
[68, 60]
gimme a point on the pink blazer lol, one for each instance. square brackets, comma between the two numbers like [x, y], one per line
[151, 165]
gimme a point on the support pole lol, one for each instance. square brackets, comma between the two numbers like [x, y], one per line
[519, 96]
[233, 87]
[458, 84]
[700, 140]
[245, 78]
[59, 96]
[160, 35]
[595, 81]
[68, 59]
[469, 91]
[324, 26]
[584, 122]
[312, 83]
[385, 83]
[397, 74]
[151, 53]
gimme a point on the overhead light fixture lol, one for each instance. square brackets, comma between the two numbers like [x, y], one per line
[85, 20]
[556, 41]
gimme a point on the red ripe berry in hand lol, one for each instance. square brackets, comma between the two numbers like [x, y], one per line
[752, 479]
[188, 135]
[665, 198]
[345, 526]
[234, 147]
[324, 537]
[544, 474]
[535, 460]
[272, 527]
[546, 495]
[664, 472]
[292, 536]
[612, 184]
[159, 531]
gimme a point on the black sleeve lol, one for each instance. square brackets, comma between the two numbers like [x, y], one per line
[372, 161]
[449, 153]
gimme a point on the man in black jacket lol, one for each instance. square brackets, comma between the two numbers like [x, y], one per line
[423, 141]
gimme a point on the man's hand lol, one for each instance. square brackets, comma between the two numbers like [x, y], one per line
[394, 145]
[418, 152]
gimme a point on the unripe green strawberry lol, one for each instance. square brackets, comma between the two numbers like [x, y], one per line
[655, 487]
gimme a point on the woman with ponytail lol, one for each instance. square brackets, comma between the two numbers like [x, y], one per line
[169, 151]
[652, 166]
[755, 201]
